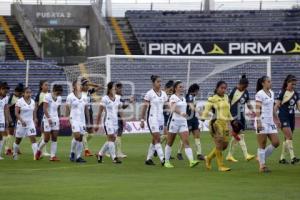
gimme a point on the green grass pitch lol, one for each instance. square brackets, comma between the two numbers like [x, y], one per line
[27, 179]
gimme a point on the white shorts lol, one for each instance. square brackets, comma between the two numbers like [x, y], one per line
[267, 128]
[27, 131]
[53, 127]
[111, 129]
[177, 126]
[2, 126]
[78, 127]
[155, 125]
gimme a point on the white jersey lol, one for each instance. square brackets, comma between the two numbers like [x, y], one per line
[181, 106]
[26, 110]
[52, 105]
[157, 103]
[3, 102]
[111, 109]
[267, 104]
[77, 107]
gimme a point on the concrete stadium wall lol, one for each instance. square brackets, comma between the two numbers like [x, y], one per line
[73, 16]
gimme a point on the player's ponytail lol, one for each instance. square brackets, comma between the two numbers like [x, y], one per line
[154, 78]
[110, 86]
[41, 84]
[289, 78]
[193, 88]
[244, 80]
[218, 85]
[259, 84]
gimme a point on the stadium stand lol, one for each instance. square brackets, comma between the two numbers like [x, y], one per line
[190, 26]
[9, 70]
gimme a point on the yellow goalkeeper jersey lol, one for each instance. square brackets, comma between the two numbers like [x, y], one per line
[219, 106]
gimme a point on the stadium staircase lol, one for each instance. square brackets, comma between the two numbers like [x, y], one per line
[124, 37]
[17, 46]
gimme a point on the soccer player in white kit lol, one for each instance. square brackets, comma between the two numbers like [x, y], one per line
[177, 124]
[51, 107]
[111, 105]
[26, 123]
[76, 108]
[88, 90]
[154, 100]
[4, 113]
[264, 121]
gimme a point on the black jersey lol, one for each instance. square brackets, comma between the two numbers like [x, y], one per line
[238, 99]
[288, 102]
[190, 99]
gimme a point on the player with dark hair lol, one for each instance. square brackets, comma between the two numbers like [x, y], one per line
[88, 90]
[218, 104]
[177, 124]
[286, 102]
[39, 99]
[124, 105]
[76, 110]
[238, 98]
[264, 122]
[154, 102]
[169, 91]
[4, 114]
[193, 121]
[111, 105]
[12, 99]
[26, 123]
[52, 103]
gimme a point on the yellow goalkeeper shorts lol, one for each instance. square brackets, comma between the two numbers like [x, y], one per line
[219, 128]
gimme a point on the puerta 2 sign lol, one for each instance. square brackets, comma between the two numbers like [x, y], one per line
[226, 48]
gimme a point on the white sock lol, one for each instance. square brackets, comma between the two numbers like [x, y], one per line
[198, 146]
[189, 153]
[112, 150]
[34, 147]
[41, 145]
[289, 145]
[73, 145]
[261, 154]
[269, 149]
[283, 150]
[53, 149]
[159, 151]
[231, 148]
[151, 150]
[84, 141]
[79, 147]
[45, 145]
[103, 149]
[15, 149]
[1, 145]
[119, 145]
[168, 151]
[243, 145]
[180, 147]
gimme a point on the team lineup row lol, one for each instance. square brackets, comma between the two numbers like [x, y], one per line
[167, 113]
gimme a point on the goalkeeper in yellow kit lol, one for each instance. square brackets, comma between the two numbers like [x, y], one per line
[219, 105]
